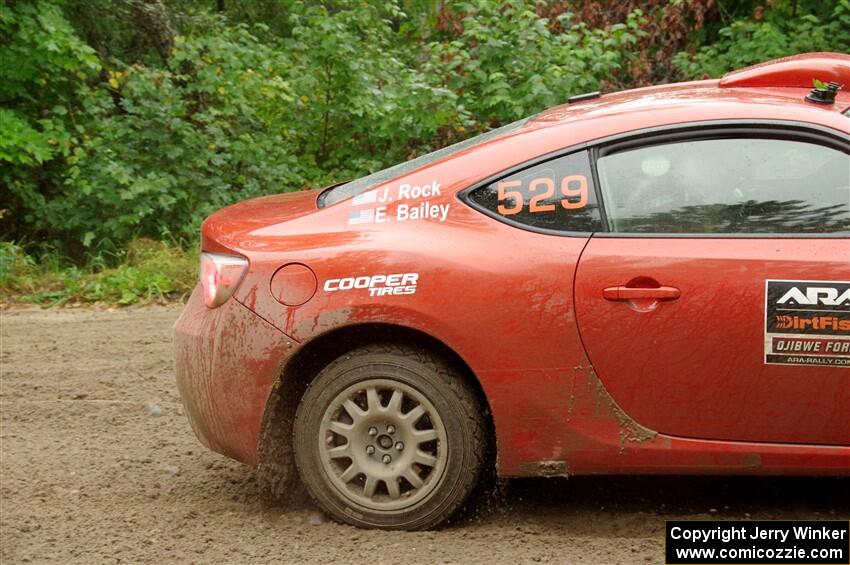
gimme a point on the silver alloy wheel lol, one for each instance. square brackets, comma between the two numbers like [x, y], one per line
[382, 444]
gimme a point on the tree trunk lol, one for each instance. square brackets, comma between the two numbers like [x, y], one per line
[151, 17]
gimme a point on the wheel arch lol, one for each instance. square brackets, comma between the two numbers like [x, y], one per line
[276, 459]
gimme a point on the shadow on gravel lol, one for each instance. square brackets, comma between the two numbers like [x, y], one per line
[723, 497]
[587, 504]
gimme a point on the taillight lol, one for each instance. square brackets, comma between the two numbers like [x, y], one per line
[220, 275]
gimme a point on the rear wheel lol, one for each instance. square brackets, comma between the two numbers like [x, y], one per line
[389, 437]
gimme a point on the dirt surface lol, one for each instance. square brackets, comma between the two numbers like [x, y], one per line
[98, 464]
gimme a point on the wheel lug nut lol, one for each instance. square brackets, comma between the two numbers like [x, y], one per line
[370, 450]
[373, 431]
[390, 429]
[386, 459]
[399, 446]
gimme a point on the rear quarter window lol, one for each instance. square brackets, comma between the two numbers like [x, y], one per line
[557, 195]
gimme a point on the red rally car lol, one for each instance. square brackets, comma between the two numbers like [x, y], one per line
[651, 281]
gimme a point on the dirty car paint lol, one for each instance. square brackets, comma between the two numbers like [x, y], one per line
[514, 305]
[227, 360]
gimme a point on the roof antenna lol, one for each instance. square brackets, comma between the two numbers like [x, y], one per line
[823, 93]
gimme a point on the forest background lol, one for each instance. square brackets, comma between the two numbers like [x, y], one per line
[123, 123]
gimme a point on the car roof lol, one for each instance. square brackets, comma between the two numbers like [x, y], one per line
[667, 98]
[774, 90]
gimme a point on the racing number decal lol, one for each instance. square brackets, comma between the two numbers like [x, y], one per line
[580, 192]
[557, 194]
[535, 205]
[505, 194]
[511, 201]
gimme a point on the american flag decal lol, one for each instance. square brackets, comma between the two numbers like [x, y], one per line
[361, 217]
[368, 197]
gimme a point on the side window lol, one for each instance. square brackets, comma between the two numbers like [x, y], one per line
[740, 185]
[556, 195]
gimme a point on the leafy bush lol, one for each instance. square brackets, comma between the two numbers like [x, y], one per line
[508, 62]
[362, 104]
[165, 147]
[771, 35]
[149, 147]
[150, 271]
[123, 120]
[43, 64]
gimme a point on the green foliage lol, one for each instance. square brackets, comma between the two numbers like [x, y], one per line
[150, 271]
[360, 104]
[129, 119]
[42, 58]
[138, 147]
[508, 62]
[777, 33]
[167, 146]
[43, 63]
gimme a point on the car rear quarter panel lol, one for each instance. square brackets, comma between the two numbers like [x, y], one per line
[500, 298]
[226, 363]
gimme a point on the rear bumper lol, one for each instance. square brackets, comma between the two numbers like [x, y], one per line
[227, 360]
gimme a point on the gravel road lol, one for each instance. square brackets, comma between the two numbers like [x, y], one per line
[98, 465]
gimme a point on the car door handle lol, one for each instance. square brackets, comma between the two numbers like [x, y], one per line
[623, 293]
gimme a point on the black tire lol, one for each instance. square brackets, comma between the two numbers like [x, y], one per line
[419, 396]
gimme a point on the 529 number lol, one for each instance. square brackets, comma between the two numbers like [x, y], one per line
[541, 190]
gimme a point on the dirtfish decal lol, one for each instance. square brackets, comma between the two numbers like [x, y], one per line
[401, 211]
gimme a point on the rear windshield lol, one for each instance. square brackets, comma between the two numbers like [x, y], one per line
[341, 192]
